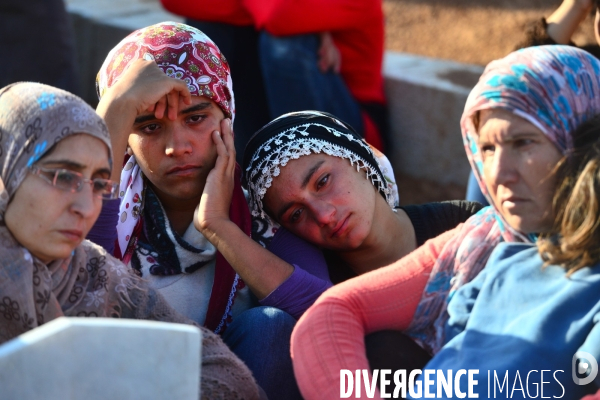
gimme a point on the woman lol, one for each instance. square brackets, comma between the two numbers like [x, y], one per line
[56, 163]
[306, 171]
[516, 127]
[166, 95]
[527, 315]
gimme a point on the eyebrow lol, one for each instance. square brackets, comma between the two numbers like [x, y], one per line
[196, 107]
[510, 137]
[305, 181]
[75, 166]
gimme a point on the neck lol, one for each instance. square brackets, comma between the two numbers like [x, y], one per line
[180, 212]
[392, 237]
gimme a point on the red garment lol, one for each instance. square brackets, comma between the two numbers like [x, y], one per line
[357, 28]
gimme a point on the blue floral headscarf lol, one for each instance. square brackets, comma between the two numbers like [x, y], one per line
[556, 88]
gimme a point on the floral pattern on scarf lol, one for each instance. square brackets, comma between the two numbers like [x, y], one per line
[33, 117]
[186, 53]
[556, 88]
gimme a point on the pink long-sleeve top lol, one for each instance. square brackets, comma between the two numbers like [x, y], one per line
[330, 335]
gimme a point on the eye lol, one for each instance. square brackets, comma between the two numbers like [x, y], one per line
[196, 118]
[523, 142]
[66, 178]
[323, 181]
[295, 216]
[150, 128]
[100, 184]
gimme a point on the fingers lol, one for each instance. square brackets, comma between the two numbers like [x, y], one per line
[172, 105]
[227, 136]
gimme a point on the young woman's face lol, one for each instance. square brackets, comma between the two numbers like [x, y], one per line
[518, 160]
[324, 200]
[176, 156]
[51, 222]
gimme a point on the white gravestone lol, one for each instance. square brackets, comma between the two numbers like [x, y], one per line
[102, 358]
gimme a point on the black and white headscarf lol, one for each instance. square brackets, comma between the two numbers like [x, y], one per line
[297, 134]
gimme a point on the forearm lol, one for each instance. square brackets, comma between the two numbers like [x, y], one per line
[565, 20]
[260, 269]
[297, 293]
[330, 335]
[119, 124]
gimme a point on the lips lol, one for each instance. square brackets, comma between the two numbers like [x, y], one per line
[73, 235]
[183, 170]
[340, 228]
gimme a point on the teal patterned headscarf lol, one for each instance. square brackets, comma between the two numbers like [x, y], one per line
[556, 88]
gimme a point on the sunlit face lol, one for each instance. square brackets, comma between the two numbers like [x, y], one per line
[51, 222]
[324, 200]
[517, 163]
[176, 156]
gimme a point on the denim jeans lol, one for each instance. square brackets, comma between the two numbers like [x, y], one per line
[293, 81]
[261, 338]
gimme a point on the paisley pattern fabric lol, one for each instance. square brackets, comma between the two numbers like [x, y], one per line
[186, 53]
[33, 117]
[556, 88]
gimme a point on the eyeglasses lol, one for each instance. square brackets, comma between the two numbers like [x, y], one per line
[73, 182]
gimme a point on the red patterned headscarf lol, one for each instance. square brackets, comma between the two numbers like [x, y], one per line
[182, 52]
[186, 53]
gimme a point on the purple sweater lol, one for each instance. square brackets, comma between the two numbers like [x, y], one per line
[293, 296]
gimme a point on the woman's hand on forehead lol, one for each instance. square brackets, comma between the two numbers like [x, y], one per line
[149, 90]
[143, 89]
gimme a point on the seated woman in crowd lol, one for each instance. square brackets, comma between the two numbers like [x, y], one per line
[311, 174]
[166, 95]
[517, 125]
[56, 163]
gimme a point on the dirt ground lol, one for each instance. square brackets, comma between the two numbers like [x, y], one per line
[471, 31]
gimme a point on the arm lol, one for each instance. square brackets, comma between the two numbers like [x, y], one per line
[260, 269]
[558, 27]
[309, 279]
[330, 335]
[566, 19]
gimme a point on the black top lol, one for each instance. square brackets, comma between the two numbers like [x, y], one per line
[433, 219]
[429, 220]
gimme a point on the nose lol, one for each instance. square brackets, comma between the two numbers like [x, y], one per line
[84, 202]
[177, 143]
[502, 169]
[323, 212]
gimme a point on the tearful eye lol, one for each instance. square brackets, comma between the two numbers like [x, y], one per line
[296, 215]
[323, 181]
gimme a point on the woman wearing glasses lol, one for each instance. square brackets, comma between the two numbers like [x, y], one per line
[55, 157]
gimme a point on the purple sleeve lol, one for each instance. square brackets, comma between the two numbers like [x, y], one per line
[104, 231]
[309, 279]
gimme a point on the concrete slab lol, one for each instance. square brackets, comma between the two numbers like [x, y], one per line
[426, 98]
[102, 358]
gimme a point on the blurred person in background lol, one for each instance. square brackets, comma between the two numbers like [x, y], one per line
[293, 56]
[37, 37]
